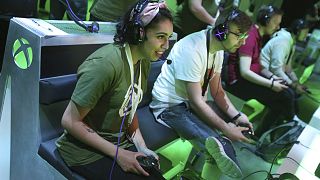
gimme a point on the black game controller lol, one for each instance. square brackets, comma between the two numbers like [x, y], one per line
[151, 165]
[284, 82]
[147, 162]
[247, 133]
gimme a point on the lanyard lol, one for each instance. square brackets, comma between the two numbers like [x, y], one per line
[206, 76]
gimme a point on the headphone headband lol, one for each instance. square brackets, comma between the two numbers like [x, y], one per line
[297, 25]
[140, 16]
[221, 31]
[265, 13]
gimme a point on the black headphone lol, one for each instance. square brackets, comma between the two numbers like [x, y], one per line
[221, 31]
[135, 30]
[265, 14]
[297, 25]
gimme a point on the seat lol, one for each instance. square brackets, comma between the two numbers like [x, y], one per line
[54, 95]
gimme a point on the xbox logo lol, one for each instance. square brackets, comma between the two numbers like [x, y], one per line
[22, 53]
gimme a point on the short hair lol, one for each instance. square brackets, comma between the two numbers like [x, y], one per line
[297, 25]
[124, 35]
[240, 19]
[265, 13]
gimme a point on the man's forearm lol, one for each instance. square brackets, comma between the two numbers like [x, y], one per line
[206, 114]
[224, 103]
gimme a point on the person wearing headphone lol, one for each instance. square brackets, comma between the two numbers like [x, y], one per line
[312, 15]
[276, 55]
[100, 121]
[195, 15]
[244, 72]
[180, 92]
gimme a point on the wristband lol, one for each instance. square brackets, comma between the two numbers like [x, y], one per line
[272, 83]
[271, 76]
[236, 117]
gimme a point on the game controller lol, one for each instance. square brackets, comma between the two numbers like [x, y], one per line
[247, 133]
[147, 162]
[151, 165]
[284, 82]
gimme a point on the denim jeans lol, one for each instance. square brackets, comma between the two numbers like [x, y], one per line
[188, 126]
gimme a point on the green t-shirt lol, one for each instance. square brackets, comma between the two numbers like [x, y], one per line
[103, 82]
[187, 22]
[111, 10]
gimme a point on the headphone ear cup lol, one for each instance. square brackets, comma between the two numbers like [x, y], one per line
[221, 32]
[138, 33]
[264, 20]
[135, 33]
[266, 15]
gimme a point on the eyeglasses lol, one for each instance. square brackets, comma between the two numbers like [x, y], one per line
[240, 36]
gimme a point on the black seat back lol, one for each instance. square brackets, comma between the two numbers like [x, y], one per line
[155, 134]
[154, 72]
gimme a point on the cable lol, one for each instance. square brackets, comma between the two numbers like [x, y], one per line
[70, 9]
[286, 146]
[254, 173]
[93, 27]
[118, 142]
[283, 149]
[124, 116]
[299, 164]
[307, 147]
[269, 174]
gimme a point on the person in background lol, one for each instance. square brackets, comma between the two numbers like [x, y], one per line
[100, 121]
[225, 7]
[276, 55]
[313, 16]
[179, 93]
[42, 7]
[59, 7]
[194, 15]
[109, 10]
[244, 73]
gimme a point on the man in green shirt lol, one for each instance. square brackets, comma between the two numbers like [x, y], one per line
[110, 10]
[100, 119]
